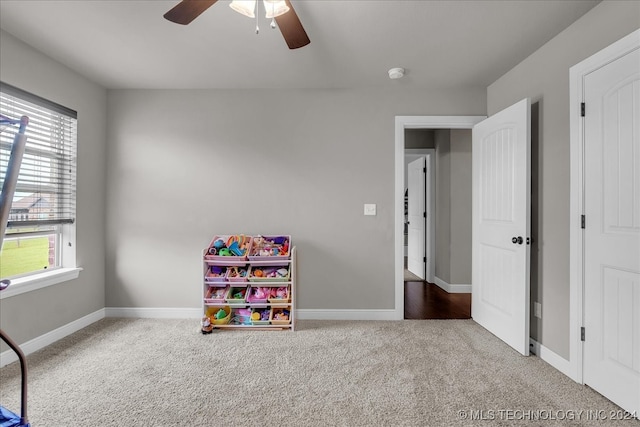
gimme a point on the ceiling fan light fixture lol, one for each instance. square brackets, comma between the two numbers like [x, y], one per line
[245, 7]
[275, 8]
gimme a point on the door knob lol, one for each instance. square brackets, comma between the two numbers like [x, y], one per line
[517, 240]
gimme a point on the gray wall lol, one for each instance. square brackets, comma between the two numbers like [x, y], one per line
[184, 165]
[460, 234]
[453, 206]
[443, 205]
[33, 314]
[544, 76]
[418, 138]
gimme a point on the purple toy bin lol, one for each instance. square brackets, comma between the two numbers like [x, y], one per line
[270, 247]
[216, 274]
[258, 294]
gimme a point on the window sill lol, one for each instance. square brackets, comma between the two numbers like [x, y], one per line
[38, 281]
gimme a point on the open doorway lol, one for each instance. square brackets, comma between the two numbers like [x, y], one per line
[442, 290]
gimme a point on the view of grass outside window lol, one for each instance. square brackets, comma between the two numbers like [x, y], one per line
[43, 206]
[26, 255]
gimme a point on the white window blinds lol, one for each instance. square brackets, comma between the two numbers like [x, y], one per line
[46, 188]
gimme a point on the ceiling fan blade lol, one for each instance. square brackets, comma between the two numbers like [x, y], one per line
[188, 10]
[291, 28]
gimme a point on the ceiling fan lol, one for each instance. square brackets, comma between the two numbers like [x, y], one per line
[288, 22]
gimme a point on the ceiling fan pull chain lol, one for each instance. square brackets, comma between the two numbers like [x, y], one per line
[273, 23]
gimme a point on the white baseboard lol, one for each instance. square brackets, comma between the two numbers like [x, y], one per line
[154, 312]
[49, 338]
[317, 314]
[558, 362]
[452, 288]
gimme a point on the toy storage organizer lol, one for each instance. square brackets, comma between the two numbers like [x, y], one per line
[251, 284]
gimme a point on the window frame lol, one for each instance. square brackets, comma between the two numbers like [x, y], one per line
[66, 264]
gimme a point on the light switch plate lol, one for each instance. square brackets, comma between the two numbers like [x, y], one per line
[369, 209]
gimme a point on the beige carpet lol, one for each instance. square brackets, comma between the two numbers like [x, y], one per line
[123, 372]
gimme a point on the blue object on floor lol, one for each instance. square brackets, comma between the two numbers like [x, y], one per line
[9, 419]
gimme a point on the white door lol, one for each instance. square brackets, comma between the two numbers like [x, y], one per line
[416, 217]
[612, 231]
[501, 223]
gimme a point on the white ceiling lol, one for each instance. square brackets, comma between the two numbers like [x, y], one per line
[441, 44]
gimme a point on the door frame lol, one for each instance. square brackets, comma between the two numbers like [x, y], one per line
[402, 123]
[577, 73]
[429, 205]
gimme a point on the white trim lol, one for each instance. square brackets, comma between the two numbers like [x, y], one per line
[558, 362]
[154, 312]
[452, 288]
[319, 314]
[577, 73]
[49, 338]
[402, 123]
[38, 281]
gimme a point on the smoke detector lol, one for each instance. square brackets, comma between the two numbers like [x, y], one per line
[396, 73]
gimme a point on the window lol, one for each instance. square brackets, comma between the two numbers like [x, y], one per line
[40, 232]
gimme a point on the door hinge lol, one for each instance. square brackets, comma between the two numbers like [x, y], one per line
[424, 214]
[424, 170]
[582, 221]
[582, 107]
[582, 333]
[424, 259]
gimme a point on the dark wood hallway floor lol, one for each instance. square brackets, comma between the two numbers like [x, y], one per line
[424, 300]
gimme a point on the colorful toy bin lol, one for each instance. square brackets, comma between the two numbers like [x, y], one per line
[236, 295]
[219, 315]
[237, 273]
[274, 273]
[280, 295]
[258, 294]
[270, 247]
[260, 316]
[280, 316]
[216, 274]
[229, 248]
[216, 294]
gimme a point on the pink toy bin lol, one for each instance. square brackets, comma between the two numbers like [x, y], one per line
[268, 243]
[269, 273]
[237, 273]
[244, 242]
[216, 294]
